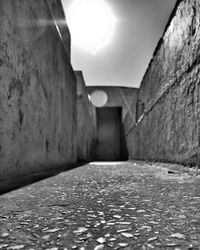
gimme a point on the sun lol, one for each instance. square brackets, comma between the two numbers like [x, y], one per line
[91, 23]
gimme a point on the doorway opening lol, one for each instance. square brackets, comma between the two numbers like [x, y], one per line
[111, 141]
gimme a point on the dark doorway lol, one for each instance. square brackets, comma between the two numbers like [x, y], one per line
[111, 145]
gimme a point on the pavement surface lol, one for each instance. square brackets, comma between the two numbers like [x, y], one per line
[124, 205]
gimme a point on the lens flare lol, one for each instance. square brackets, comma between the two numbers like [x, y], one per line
[99, 98]
[91, 24]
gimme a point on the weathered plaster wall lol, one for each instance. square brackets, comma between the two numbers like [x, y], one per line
[37, 91]
[168, 108]
[86, 122]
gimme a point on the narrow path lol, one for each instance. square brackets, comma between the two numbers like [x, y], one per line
[130, 205]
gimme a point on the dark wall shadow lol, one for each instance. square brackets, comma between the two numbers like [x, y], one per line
[9, 183]
[123, 145]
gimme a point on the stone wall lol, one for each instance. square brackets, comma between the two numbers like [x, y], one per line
[37, 91]
[168, 107]
[86, 122]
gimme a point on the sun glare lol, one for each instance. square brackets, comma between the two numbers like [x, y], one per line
[91, 24]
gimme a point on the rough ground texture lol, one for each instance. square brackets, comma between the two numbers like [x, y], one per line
[37, 90]
[131, 205]
[168, 107]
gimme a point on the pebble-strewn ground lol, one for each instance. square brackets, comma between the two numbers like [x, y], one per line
[130, 205]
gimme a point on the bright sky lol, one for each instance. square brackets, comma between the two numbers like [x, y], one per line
[123, 60]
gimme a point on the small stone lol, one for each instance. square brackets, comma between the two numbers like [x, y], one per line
[173, 244]
[81, 230]
[74, 247]
[124, 230]
[122, 244]
[107, 235]
[101, 213]
[117, 216]
[145, 227]
[133, 217]
[4, 234]
[158, 244]
[99, 247]
[153, 222]
[53, 248]
[46, 237]
[141, 211]
[53, 230]
[3, 245]
[178, 236]
[16, 247]
[124, 222]
[152, 239]
[127, 235]
[150, 246]
[101, 240]
[89, 235]
[79, 241]
[92, 215]
[182, 216]
[112, 239]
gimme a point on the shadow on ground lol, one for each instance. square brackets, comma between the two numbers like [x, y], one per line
[10, 183]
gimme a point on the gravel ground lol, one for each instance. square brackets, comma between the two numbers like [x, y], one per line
[121, 205]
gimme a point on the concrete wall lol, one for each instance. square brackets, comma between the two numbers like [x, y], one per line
[168, 108]
[86, 122]
[59, 21]
[118, 96]
[37, 91]
[125, 98]
[130, 115]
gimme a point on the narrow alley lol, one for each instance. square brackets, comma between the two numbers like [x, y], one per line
[118, 205]
[82, 157]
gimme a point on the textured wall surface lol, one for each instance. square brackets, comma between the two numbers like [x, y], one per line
[168, 108]
[130, 115]
[37, 90]
[86, 122]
